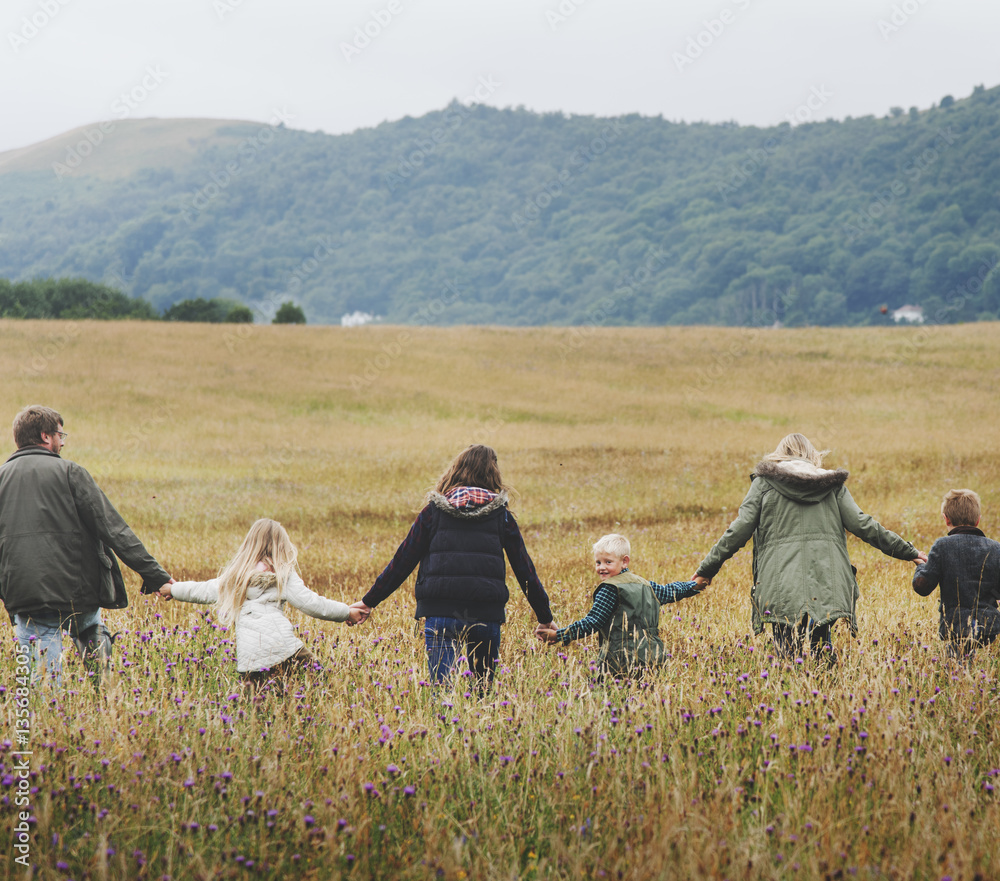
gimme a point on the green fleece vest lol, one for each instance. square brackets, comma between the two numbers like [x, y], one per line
[631, 642]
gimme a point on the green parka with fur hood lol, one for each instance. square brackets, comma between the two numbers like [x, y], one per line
[797, 514]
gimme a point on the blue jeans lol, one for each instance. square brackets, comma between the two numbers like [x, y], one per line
[40, 637]
[445, 637]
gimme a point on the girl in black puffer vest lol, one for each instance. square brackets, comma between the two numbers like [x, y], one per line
[459, 540]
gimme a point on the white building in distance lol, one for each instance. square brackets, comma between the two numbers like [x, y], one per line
[909, 314]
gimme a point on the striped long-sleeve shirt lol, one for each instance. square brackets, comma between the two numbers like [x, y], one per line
[605, 600]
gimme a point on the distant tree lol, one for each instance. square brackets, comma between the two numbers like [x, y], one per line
[240, 315]
[947, 101]
[289, 313]
[215, 311]
[896, 111]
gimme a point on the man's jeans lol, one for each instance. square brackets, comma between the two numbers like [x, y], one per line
[445, 637]
[41, 637]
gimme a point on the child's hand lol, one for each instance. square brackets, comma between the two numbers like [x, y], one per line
[358, 613]
[546, 633]
[700, 582]
[920, 558]
[164, 590]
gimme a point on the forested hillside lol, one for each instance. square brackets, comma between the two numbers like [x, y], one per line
[479, 215]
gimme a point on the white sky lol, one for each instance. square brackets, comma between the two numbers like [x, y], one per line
[242, 59]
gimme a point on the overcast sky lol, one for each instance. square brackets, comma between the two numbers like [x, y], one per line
[340, 65]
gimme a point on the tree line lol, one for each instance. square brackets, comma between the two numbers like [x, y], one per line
[546, 218]
[78, 298]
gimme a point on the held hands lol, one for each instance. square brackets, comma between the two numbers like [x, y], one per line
[920, 558]
[164, 590]
[701, 582]
[358, 613]
[546, 633]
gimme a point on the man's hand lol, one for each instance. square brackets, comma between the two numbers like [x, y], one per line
[701, 581]
[921, 557]
[164, 590]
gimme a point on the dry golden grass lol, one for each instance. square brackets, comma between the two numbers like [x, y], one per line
[195, 431]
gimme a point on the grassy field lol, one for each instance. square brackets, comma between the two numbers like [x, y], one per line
[728, 764]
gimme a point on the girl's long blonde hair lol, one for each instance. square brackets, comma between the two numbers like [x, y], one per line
[266, 542]
[796, 446]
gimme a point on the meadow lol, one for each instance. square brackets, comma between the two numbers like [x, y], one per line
[727, 764]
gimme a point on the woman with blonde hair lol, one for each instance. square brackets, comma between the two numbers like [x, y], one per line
[459, 541]
[803, 581]
[250, 593]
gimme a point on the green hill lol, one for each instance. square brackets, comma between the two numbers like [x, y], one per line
[479, 215]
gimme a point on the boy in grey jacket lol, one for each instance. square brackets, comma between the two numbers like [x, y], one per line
[966, 565]
[58, 538]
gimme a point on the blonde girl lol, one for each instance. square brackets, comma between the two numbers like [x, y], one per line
[250, 593]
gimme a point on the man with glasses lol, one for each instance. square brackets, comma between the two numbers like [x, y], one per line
[59, 535]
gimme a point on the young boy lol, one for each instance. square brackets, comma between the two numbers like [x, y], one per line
[626, 612]
[967, 566]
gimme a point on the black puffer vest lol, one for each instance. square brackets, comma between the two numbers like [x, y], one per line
[463, 574]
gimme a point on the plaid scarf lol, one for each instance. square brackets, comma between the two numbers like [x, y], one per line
[469, 497]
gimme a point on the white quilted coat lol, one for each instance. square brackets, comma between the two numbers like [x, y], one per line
[264, 636]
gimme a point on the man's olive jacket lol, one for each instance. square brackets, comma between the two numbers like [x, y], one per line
[57, 534]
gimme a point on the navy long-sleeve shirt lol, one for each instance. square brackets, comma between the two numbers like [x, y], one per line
[417, 543]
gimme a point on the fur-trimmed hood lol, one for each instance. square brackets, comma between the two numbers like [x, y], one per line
[801, 480]
[443, 503]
